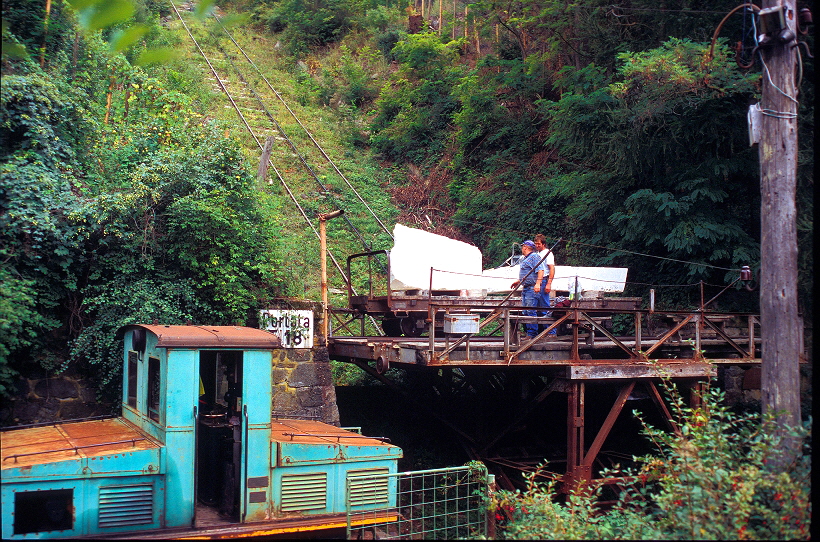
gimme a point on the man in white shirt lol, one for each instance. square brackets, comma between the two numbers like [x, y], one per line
[543, 297]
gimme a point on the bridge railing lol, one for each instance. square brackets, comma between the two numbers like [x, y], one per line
[644, 342]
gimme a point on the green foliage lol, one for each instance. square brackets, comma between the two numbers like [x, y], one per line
[308, 24]
[347, 81]
[643, 165]
[41, 117]
[415, 107]
[181, 239]
[713, 481]
[123, 301]
[25, 20]
[118, 205]
[19, 322]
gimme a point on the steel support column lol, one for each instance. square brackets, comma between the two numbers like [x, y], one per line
[576, 471]
[603, 433]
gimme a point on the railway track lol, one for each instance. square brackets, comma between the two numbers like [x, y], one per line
[295, 159]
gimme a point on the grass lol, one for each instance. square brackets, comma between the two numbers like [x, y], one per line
[329, 128]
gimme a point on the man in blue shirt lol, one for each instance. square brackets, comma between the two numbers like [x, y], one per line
[530, 277]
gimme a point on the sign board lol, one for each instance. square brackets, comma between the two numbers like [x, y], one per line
[294, 328]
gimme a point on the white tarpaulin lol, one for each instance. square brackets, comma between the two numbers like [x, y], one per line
[415, 252]
[457, 266]
[590, 279]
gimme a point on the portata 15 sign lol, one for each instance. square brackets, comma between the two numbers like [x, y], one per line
[294, 328]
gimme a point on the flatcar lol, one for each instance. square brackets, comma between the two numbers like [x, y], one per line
[196, 452]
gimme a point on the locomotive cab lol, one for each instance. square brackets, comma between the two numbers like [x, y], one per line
[196, 450]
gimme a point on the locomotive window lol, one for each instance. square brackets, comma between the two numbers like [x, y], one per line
[133, 358]
[41, 511]
[153, 388]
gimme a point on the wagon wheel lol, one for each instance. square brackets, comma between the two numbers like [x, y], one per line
[408, 327]
[382, 365]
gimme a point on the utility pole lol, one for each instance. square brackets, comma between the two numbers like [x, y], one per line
[780, 323]
[323, 218]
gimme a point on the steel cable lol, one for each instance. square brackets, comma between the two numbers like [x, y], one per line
[294, 149]
[278, 175]
[319, 147]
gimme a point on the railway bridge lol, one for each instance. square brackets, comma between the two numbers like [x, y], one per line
[514, 402]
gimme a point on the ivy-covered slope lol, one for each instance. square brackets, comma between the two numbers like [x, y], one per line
[128, 192]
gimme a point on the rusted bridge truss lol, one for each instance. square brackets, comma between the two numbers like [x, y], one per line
[597, 370]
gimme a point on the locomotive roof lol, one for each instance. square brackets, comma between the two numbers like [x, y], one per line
[71, 441]
[314, 432]
[208, 336]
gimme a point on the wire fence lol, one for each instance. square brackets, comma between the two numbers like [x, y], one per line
[435, 504]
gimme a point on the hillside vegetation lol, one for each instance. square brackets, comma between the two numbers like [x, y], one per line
[129, 190]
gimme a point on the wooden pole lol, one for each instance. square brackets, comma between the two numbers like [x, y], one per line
[262, 171]
[440, 16]
[780, 334]
[45, 33]
[323, 218]
[454, 19]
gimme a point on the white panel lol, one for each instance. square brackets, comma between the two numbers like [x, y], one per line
[415, 252]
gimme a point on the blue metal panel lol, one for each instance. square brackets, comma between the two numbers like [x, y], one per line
[139, 415]
[136, 462]
[342, 471]
[300, 490]
[104, 505]
[7, 500]
[182, 388]
[300, 453]
[256, 395]
[352, 451]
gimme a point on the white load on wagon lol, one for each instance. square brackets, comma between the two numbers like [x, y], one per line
[457, 265]
[567, 278]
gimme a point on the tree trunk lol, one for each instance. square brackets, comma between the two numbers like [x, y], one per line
[780, 333]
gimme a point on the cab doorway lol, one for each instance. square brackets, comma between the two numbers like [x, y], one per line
[219, 438]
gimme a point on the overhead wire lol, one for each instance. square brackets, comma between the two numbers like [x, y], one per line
[611, 249]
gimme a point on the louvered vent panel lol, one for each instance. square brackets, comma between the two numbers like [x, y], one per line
[121, 506]
[368, 487]
[304, 491]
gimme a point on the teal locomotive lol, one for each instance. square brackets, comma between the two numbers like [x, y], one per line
[195, 453]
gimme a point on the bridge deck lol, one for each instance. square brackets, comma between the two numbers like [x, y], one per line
[556, 355]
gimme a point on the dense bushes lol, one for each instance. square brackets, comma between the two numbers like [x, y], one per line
[713, 481]
[118, 207]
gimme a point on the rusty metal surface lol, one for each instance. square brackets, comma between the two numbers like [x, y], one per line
[313, 527]
[209, 336]
[313, 432]
[41, 445]
[602, 359]
[421, 303]
[664, 368]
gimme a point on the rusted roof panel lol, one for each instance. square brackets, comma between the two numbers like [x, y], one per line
[209, 336]
[312, 432]
[61, 442]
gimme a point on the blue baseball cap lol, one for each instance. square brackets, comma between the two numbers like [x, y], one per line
[528, 243]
